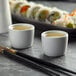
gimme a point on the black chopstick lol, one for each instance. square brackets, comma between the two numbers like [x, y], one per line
[30, 63]
[47, 64]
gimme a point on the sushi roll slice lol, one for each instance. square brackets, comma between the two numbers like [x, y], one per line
[33, 10]
[71, 23]
[66, 21]
[42, 14]
[15, 5]
[24, 8]
[54, 15]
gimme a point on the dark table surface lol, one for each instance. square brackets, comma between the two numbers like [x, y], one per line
[12, 68]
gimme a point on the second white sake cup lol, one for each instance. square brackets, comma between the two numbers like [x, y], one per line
[54, 46]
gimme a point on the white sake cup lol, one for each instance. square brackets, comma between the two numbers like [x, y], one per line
[54, 46]
[21, 39]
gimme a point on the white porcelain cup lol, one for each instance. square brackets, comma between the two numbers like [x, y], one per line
[21, 39]
[54, 45]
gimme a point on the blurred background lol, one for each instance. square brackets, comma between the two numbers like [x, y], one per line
[54, 0]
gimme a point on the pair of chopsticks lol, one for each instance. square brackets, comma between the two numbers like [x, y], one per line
[14, 55]
[38, 64]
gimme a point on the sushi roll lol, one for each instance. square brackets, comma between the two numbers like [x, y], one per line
[33, 10]
[24, 8]
[42, 14]
[54, 15]
[15, 5]
[69, 22]
[66, 21]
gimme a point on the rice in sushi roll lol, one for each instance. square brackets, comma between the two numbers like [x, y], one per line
[54, 15]
[24, 8]
[33, 10]
[42, 14]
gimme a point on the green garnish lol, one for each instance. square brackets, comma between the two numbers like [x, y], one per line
[70, 25]
[43, 15]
